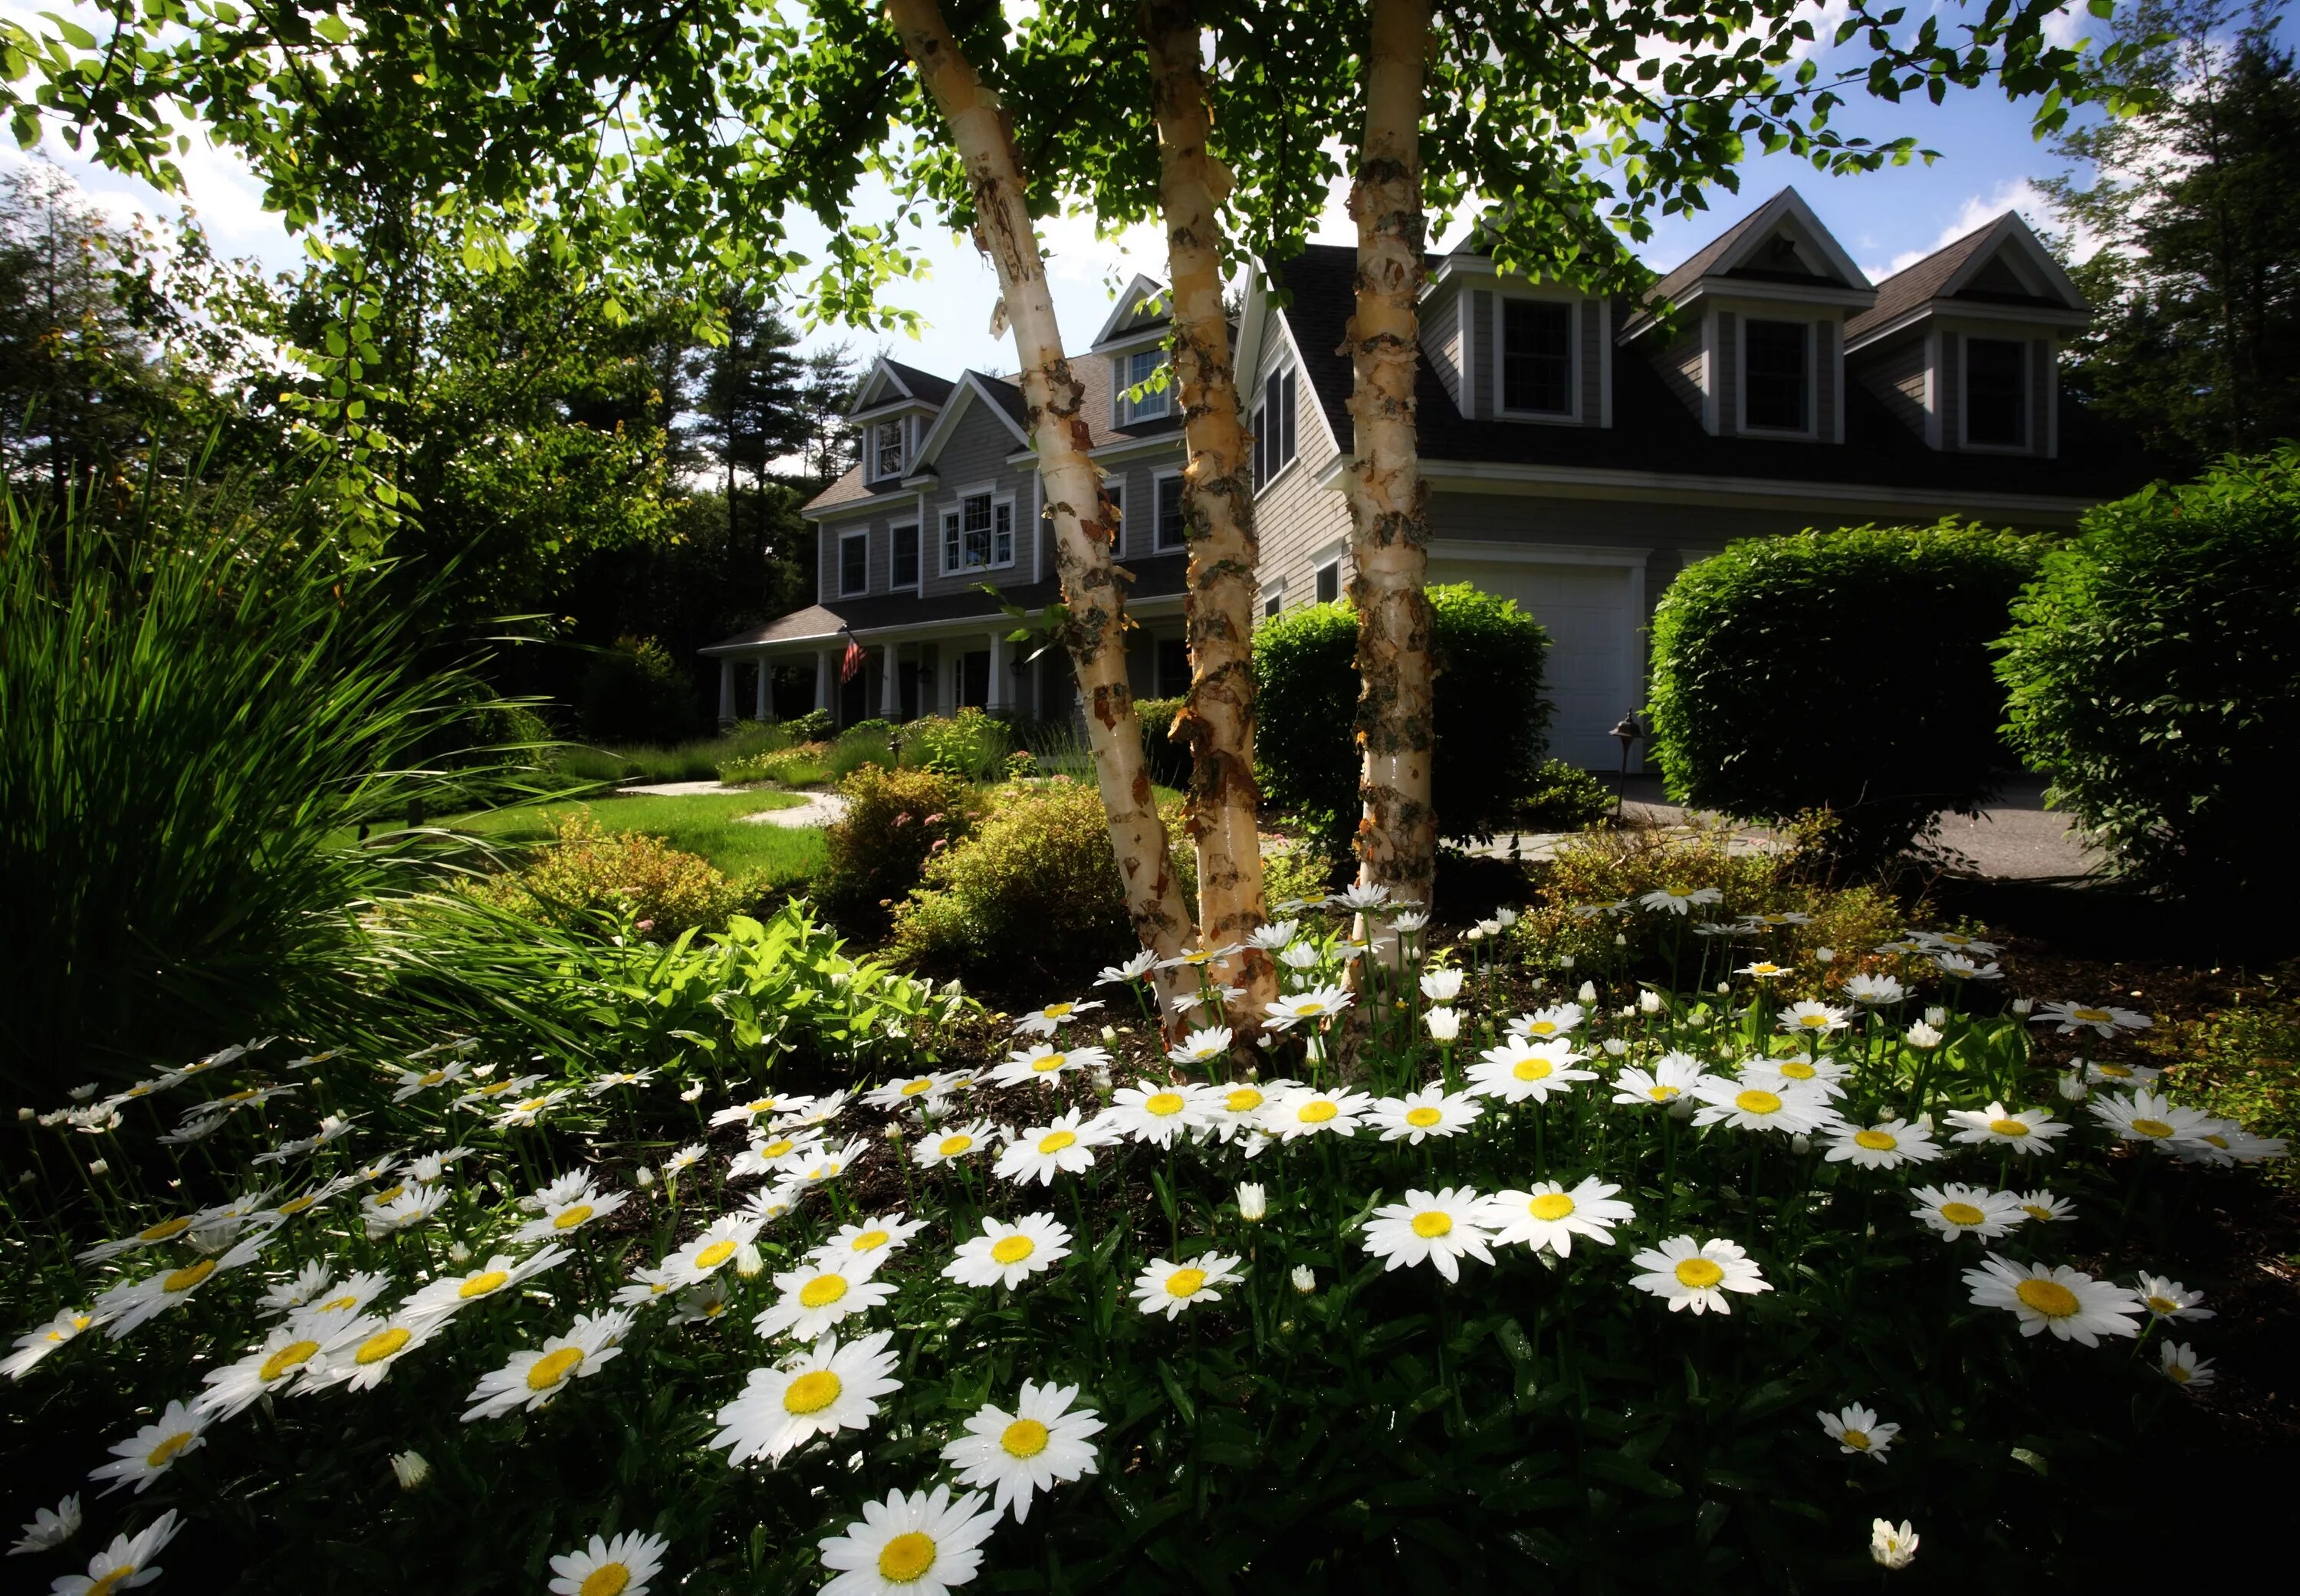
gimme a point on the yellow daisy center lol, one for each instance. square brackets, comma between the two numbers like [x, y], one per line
[1699, 1274]
[184, 1279]
[905, 1559]
[241, 1096]
[2121, 1071]
[480, 1285]
[1317, 1112]
[1534, 1069]
[1961, 1213]
[568, 1218]
[1422, 1118]
[1242, 1100]
[297, 1205]
[822, 1291]
[812, 1392]
[2092, 1017]
[2152, 1127]
[912, 1088]
[111, 1581]
[1309, 1008]
[2179, 1373]
[553, 1368]
[431, 1077]
[2047, 1297]
[380, 1198]
[1046, 1063]
[2009, 1128]
[1813, 1021]
[1186, 1282]
[164, 1230]
[2163, 1308]
[871, 1241]
[381, 1345]
[2035, 1211]
[1756, 1101]
[780, 1147]
[1013, 1249]
[1875, 1141]
[1662, 1094]
[294, 1355]
[1550, 1205]
[343, 1304]
[951, 1147]
[608, 1579]
[1054, 1142]
[715, 1254]
[530, 1105]
[1164, 1104]
[1542, 1027]
[1055, 1011]
[1857, 1439]
[1024, 1438]
[163, 1454]
[1799, 1072]
[1432, 1225]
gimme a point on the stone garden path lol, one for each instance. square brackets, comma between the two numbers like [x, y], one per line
[815, 809]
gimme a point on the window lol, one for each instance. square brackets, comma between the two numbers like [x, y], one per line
[1114, 490]
[1538, 357]
[1995, 392]
[1329, 582]
[1170, 535]
[1133, 370]
[1173, 667]
[1272, 602]
[1273, 427]
[889, 452]
[906, 557]
[1774, 380]
[855, 563]
[978, 534]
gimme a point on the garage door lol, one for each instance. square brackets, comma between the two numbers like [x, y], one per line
[1593, 675]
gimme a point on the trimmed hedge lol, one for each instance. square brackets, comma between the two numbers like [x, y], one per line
[2154, 674]
[1492, 720]
[1840, 671]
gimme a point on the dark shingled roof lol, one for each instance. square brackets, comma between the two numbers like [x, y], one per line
[923, 385]
[1161, 577]
[1653, 429]
[1906, 289]
[1676, 282]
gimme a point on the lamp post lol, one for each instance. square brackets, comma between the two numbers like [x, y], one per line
[1629, 731]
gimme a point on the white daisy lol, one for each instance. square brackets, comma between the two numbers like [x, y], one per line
[701, 1304]
[150, 1452]
[805, 1112]
[1441, 985]
[612, 1081]
[453, 1293]
[414, 1081]
[1202, 1046]
[1432, 1111]
[869, 1243]
[479, 1100]
[360, 1353]
[1673, 1076]
[529, 1111]
[124, 1565]
[2028, 1131]
[1309, 1007]
[952, 1142]
[336, 1303]
[126, 1306]
[50, 1528]
[285, 1357]
[1546, 1215]
[2170, 1300]
[1157, 1114]
[1959, 968]
[817, 1298]
[1044, 1441]
[1006, 1254]
[1521, 1070]
[1956, 1210]
[1552, 1024]
[1855, 1430]
[1763, 970]
[1681, 899]
[778, 1153]
[2108, 1072]
[1237, 1109]
[1890, 1548]
[40, 1340]
[916, 1545]
[531, 1379]
[929, 1088]
[818, 1391]
[1777, 1106]
[1824, 1074]
[649, 1286]
[1885, 1145]
[1693, 1274]
[1439, 1229]
[1064, 1146]
[2182, 1366]
[711, 1250]
[2073, 1305]
[1306, 1111]
[752, 1108]
[1046, 1063]
[1045, 1021]
[2044, 1208]
[1167, 1287]
[561, 1218]
[618, 1567]
[1118, 975]
[1813, 1020]
[2148, 1117]
[408, 1209]
[2103, 1019]
[1873, 990]
[828, 1163]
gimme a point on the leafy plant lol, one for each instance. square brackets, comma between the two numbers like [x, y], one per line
[1846, 671]
[969, 745]
[2154, 675]
[1491, 716]
[1169, 761]
[895, 822]
[587, 872]
[1564, 798]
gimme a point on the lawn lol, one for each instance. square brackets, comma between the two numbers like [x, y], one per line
[706, 823]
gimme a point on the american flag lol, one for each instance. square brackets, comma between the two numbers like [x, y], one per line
[851, 666]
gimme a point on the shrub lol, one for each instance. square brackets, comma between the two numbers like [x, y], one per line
[800, 766]
[1845, 671]
[864, 743]
[815, 726]
[969, 745]
[587, 873]
[1032, 896]
[895, 821]
[1489, 712]
[2155, 673]
[635, 692]
[1168, 756]
[1564, 798]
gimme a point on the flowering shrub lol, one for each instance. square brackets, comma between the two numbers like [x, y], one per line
[1466, 1282]
[800, 765]
[587, 872]
[969, 745]
[895, 822]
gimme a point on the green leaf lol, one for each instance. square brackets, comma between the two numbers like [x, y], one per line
[1618, 1468]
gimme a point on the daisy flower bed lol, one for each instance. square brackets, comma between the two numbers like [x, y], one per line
[1442, 1269]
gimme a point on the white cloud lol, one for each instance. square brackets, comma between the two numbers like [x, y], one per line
[1977, 212]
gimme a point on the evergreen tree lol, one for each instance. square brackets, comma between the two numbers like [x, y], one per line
[2195, 205]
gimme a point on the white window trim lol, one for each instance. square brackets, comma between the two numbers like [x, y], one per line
[902, 428]
[1158, 479]
[1964, 399]
[1810, 431]
[1320, 563]
[919, 586]
[1125, 407]
[1281, 370]
[1275, 592]
[844, 539]
[956, 504]
[1570, 417]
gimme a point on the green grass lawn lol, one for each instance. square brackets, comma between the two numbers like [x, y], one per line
[704, 823]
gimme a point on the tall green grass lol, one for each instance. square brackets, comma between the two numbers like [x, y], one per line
[696, 759]
[190, 706]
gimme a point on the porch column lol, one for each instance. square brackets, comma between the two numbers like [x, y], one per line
[825, 672]
[1001, 696]
[765, 701]
[726, 690]
[890, 690]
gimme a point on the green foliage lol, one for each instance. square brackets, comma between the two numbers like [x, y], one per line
[1846, 671]
[815, 726]
[635, 690]
[864, 743]
[191, 713]
[801, 765]
[1169, 759]
[1491, 713]
[1564, 798]
[1031, 897]
[588, 873]
[895, 821]
[2154, 674]
[717, 826]
[969, 745]
[2243, 1061]
[696, 760]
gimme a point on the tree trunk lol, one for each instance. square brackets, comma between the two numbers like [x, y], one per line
[1094, 627]
[1218, 497]
[1389, 526]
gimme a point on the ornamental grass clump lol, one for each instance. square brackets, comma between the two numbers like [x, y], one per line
[1461, 1281]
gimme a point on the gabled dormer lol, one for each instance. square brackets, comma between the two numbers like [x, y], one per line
[1963, 347]
[1513, 348]
[1750, 332]
[1133, 340]
[893, 409]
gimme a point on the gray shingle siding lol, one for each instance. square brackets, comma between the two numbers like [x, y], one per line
[1725, 371]
[1895, 374]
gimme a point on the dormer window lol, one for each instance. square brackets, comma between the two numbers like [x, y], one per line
[1995, 392]
[887, 449]
[1777, 376]
[1134, 371]
[1537, 357]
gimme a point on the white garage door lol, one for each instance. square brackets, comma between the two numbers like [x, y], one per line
[1593, 675]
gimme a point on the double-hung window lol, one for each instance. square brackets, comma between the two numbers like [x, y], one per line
[853, 564]
[1995, 392]
[1776, 382]
[1170, 535]
[1133, 371]
[978, 535]
[887, 450]
[905, 561]
[1538, 357]
[1273, 427]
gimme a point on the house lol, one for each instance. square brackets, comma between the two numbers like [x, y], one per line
[1580, 451]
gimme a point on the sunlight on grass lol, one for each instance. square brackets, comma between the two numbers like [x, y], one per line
[706, 823]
